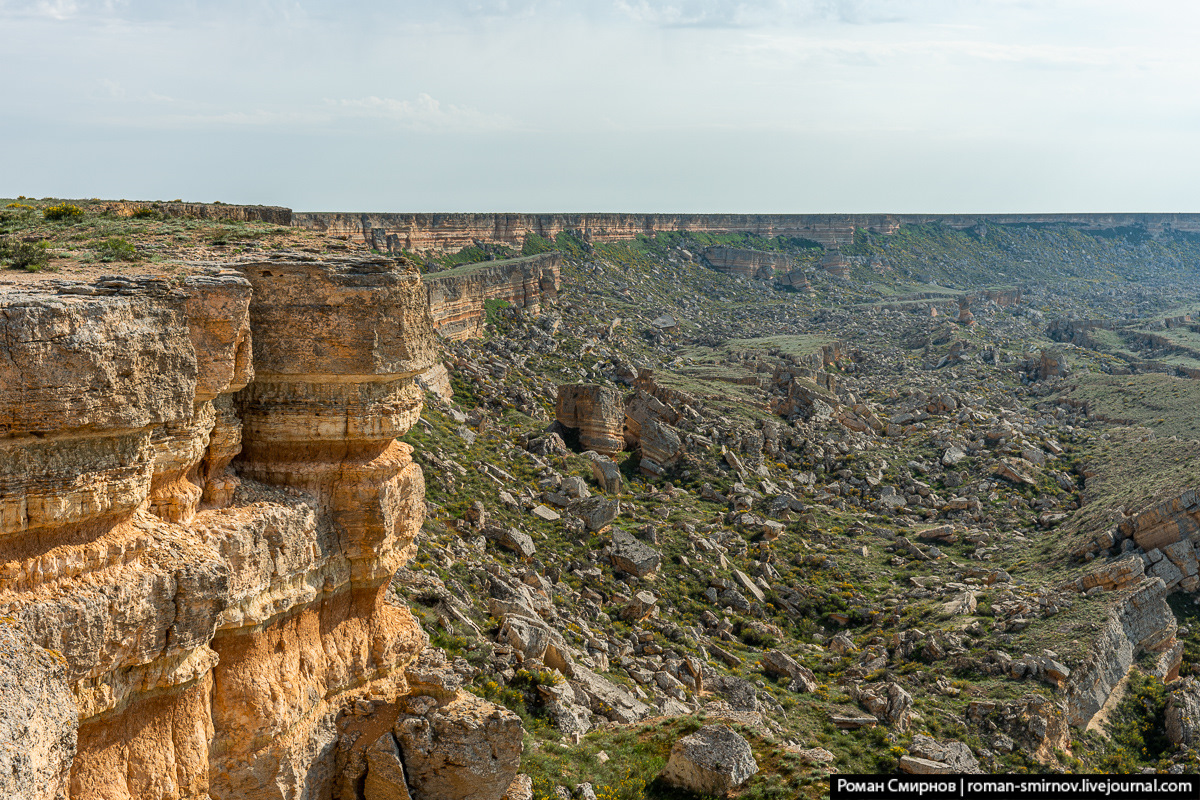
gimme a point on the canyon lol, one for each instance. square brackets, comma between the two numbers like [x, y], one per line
[675, 482]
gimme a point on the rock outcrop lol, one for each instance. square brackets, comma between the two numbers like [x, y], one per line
[457, 297]
[202, 504]
[596, 412]
[1139, 622]
[756, 264]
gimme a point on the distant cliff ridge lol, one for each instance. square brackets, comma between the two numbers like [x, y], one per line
[452, 232]
[457, 296]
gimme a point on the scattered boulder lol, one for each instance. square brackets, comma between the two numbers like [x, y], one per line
[714, 760]
[887, 701]
[512, 539]
[596, 512]
[948, 756]
[777, 663]
[1183, 713]
[630, 554]
[607, 474]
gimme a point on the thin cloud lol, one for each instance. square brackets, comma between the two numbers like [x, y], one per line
[424, 113]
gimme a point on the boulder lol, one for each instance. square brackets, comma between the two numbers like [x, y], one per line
[640, 606]
[511, 539]
[607, 698]
[1015, 470]
[887, 701]
[660, 443]
[1183, 713]
[596, 512]
[607, 474]
[953, 756]
[714, 760]
[777, 663]
[467, 748]
[630, 554]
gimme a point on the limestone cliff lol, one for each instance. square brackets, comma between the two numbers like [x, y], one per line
[202, 504]
[457, 296]
[452, 232]
[747, 263]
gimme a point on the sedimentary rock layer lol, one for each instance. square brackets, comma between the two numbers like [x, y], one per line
[1139, 622]
[457, 296]
[597, 412]
[202, 503]
[746, 262]
[452, 232]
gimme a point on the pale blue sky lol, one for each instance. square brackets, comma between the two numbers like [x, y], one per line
[606, 105]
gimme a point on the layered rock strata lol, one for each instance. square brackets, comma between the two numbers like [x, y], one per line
[596, 412]
[747, 263]
[458, 297]
[202, 503]
[1139, 622]
[452, 232]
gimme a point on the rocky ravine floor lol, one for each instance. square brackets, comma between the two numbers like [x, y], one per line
[869, 525]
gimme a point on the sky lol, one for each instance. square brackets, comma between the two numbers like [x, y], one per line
[758, 106]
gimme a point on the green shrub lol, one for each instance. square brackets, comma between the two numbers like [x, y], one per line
[491, 309]
[1137, 728]
[116, 249]
[146, 213]
[63, 211]
[29, 256]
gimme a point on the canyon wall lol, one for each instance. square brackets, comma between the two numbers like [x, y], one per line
[747, 263]
[452, 232]
[457, 296]
[202, 504]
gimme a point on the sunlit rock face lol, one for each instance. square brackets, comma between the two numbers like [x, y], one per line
[202, 502]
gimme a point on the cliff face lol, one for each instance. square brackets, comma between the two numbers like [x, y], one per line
[746, 262]
[452, 232]
[1140, 622]
[456, 297]
[202, 504]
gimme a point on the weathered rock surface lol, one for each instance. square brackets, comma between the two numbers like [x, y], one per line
[466, 748]
[456, 297]
[37, 719]
[1141, 622]
[713, 760]
[745, 262]
[201, 505]
[597, 413]
[1183, 713]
